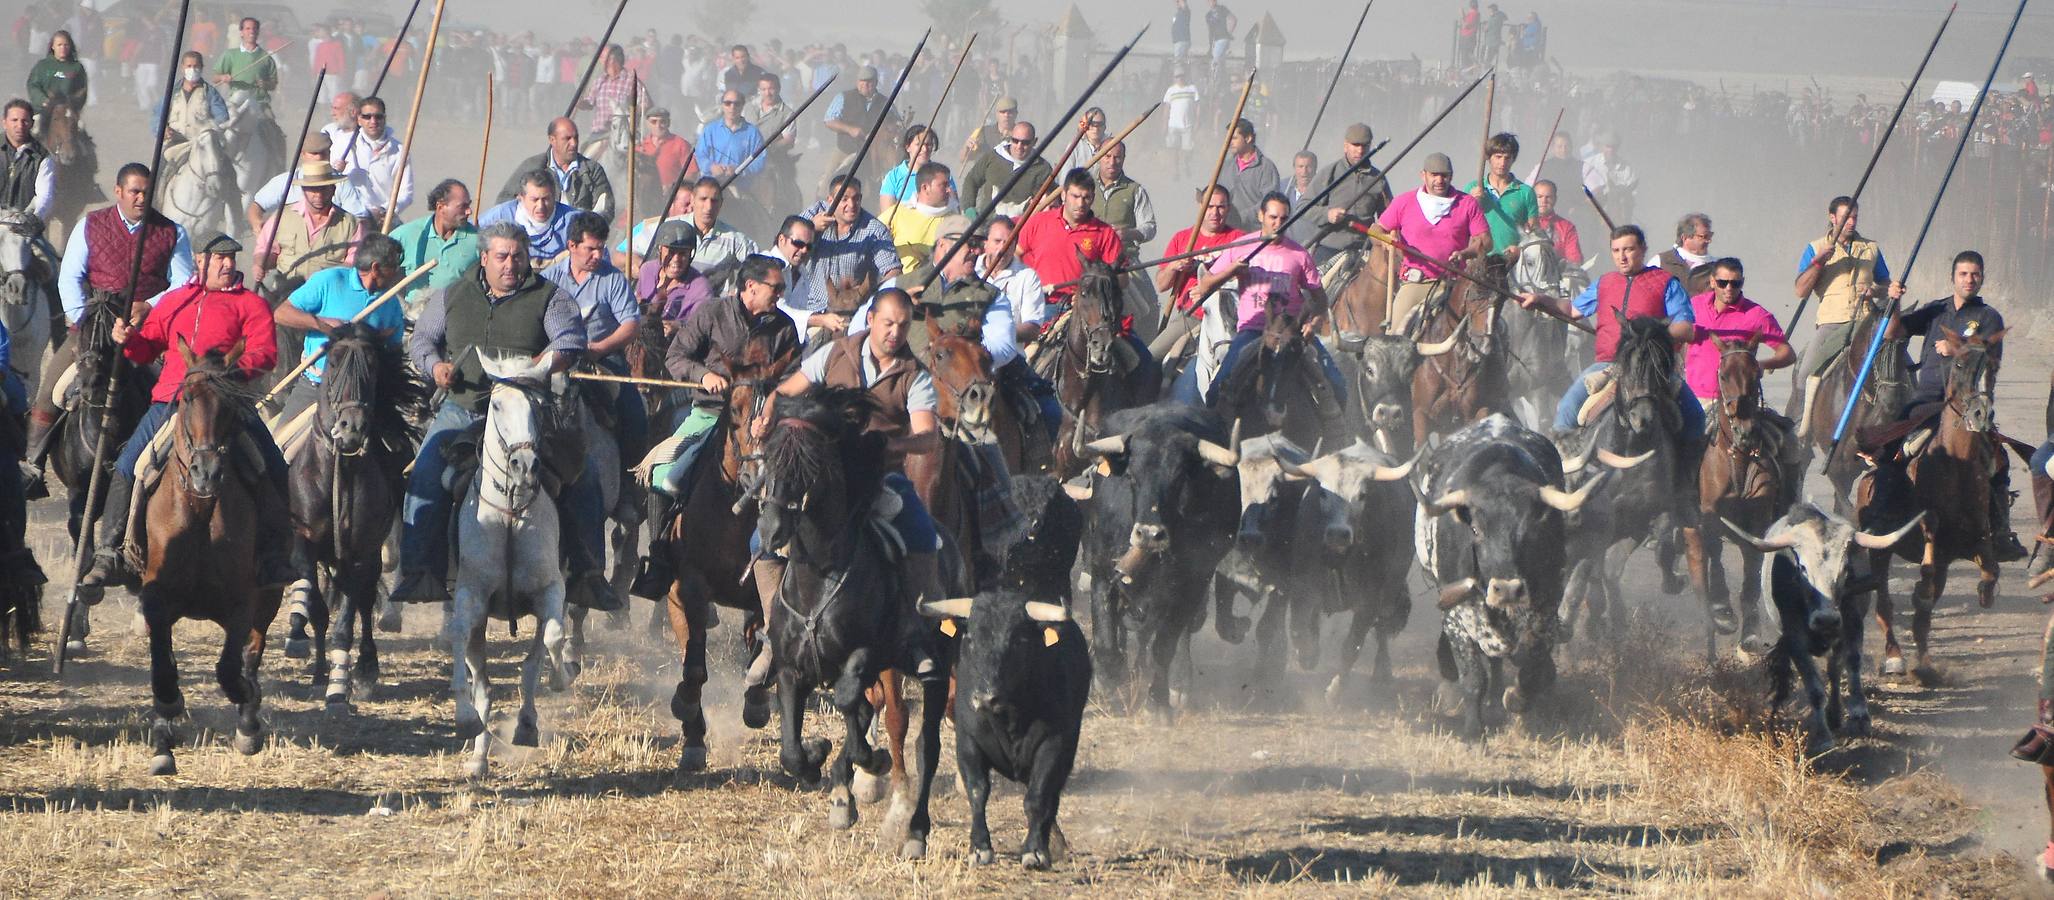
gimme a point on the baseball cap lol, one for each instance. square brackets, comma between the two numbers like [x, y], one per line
[1438, 164]
[676, 234]
[955, 226]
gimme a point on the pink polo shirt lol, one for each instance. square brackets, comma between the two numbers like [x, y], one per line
[1283, 269]
[1438, 240]
[1744, 320]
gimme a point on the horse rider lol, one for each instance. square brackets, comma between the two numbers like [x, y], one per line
[505, 307]
[848, 242]
[612, 316]
[211, 312]
[881, 361]
[1725, 312]
[267, 198]
[375, 163]
[1942, 323]
[1846, 271]
[1633, 290]
[445, 236]
[28, 175]
[1284, 274]
[309, 235]
[1690, 259]
[578, 180]
[1179, 279]
[707, 348]
[1439, 223]
[1122, 202]
[95, 274]
[18, 565]
[1559, 231]
[1056, 242]
[249, 74]
[667, 286]
[1361, 194]
[794, 247]
[195, 107]
[332, 297]
[1507, 202]
[613, 91]
[539, 215]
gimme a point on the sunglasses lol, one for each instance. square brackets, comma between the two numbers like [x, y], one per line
[730, 102]
[1729, 282]
[371, 117]
[798, 244]
[1022, 142]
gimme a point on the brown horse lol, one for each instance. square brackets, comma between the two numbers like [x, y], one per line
[1950, 483]
[1454, 389]
[1740, 481]
[1361, 304]
[78, 167]
[1885, 392]
[709, 542]
[1084, 358]
[202, 552]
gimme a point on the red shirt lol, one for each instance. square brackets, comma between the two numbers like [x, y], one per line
[1563, 232]
[671, 154]
[1050, 247]
[1181, 242]
[328, 55]
[206, 320]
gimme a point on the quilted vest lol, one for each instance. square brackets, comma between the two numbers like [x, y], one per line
[1640, 297]
[113, 252]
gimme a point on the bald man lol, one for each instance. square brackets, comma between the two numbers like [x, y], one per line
[580, 182]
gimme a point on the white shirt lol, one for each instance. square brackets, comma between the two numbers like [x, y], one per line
[1000, 324]
[1022, 286]
[1183, 103]
[798, 302]
[346, 197]
[46, 183]
[370, 169]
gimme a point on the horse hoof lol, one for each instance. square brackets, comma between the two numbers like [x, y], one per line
[1034, 859]
[1448, 699]
[841, 816]
[756, 706]
[1723, 619]
[75, 648]
[1855, 726]
[1334, 689]
[163, 764]
[338, 693]
[1926, 675]
[692, 759]
[1818, 746]
[298, 648]
[913, 848]
[982, 856]
[248, 744]
[468, 725]
[870, 788]
[1515, 702]
[1162, 716]
[1753, 646]
[389, 621]
[526, 735]
[1893, 665]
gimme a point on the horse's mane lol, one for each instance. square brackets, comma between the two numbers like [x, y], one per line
[1101, 283]
[400, 401]
[827, 446]
[1645, 356]
[212, 372]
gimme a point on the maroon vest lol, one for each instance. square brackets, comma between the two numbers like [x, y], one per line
[113, 252]
[1639, 298]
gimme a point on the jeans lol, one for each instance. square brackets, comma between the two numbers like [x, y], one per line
[1573, 400]
[672, 477]
[1246, 337]
[913, 522]
[159, 414]
[424, 541]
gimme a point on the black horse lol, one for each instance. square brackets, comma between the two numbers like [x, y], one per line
[346, 487]
[87, 413]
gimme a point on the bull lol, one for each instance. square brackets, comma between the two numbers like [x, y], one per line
[1023, 675]
[1165, 499]
[1277, 558]
[1491, 534]
[1817, 587]
[1365, 512]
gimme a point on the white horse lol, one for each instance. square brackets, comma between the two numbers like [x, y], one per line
[1545, 352]
[614, 152]
[197, 195]
[254, 143]
[23, 298]
[507, 562]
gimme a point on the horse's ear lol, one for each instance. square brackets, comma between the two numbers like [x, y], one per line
[1754, 340]
[1950, 334]
[1991, 339]
[185, 352]
[1721, 343]
[234, 353]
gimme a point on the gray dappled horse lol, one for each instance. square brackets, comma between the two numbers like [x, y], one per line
[1539, 344]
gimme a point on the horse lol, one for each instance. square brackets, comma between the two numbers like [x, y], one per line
[89, 410]
[1538, 345]
[78, 167]
[1360, 288]
[508, 563]
[28, 285]
[202, 556]
[1883, 395]
[710, 543]
[345, 490]
[1087, 360]
[1950, 484]
[1278, 386]
[1454, 389]
[839, 621]
[197, 193]
[254, 144]
[1740, 481]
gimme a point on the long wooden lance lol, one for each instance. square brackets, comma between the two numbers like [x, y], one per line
[484, 146]
[390, 55]
[1882, 140]
[285, 384]
[103, 318]
[1483, 161]
[1600, 208]
[634, 135]
[1336, 82]
[1169, 303]
[1426, 261]
[856, 164]
[984, 215]
[598, 53]
[1967, 130]
[406, 149]
[935, 116]
[1547, 146]
[292, 171]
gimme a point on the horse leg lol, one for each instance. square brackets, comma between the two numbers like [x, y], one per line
[527, 729]
[249, 729]
[887, 696]
[1932, 583]
[1986, 583]
[318, 618]
[688, 627]
[341, 638]
[1752, 641]
[934, 703]
[467, 681]
[1719, 609]
[575, 655]
[1886, 614]
[168, 703]
[856, 750]
[801, 757]
[301, 614]
[361, 603]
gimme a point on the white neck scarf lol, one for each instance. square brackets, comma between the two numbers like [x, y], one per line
[1435, 208]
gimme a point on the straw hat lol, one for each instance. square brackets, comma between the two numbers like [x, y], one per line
[318, 173]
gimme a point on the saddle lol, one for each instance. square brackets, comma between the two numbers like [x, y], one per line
[1910, 436]
[1603, 388]
[1340, 271]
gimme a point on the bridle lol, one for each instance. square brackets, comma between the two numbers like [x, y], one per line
[520, 493]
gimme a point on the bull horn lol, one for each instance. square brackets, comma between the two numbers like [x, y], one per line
[958, 608]
[1435, 349]
[1228, 456]
[1886, 541]
[1398, 472]
[1569, 501]
[1573, 466]
[1769, 544]
[1453, 595]
[1078, 492]
[1047, 612]
[1107, 446]
[1296, 472]
[1448, 501]
[1617, 461]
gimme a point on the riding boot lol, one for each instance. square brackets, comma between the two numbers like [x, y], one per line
[2002, 539]
[1804, 410]
[41, 427]
[110, 567]
[922, 573]
[2043, 506]
[657, 575]
[769, 573]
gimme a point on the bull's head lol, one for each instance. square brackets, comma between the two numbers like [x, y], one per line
[1347, 478]
[1160, 468]
[1821, 548]
[1005, 642]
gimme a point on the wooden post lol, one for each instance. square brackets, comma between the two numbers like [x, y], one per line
[484, 151]
[406, 151]
[634, 147]
[1204, 190]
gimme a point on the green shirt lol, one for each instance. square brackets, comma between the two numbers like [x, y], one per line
[1507, 212]
[252, 75]
[453, 256]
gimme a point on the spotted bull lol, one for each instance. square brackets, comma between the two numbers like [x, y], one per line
[1817, 587]
[1164, 505]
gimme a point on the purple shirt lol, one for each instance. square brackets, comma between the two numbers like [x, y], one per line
[680, 299]
[1282, 269]
[1738, 323]
[1437, 240]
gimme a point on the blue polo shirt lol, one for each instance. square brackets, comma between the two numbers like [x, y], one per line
[338, 294]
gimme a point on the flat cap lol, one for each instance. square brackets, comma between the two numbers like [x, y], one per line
[216, 242]
[1438, 164]
[318, 142]
[676, 234]
[867, 73]
[1008, 104]
[1357, 133]
[955, 226]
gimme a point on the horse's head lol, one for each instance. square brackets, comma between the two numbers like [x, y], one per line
[846, 294]
[16, 229]
[961, 368]
[59, 132]
[1645, 367]
[208, 417]
[1539, 267]
[1740, 376]
[522, 389]
[1967, 374]
[350, 383]
[818, 464]
[754, 377]
[1097, 308]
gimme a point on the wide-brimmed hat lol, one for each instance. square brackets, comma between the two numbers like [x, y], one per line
[319, 173]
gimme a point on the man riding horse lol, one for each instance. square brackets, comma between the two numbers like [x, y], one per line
[1845, 271]
[1726, 314]
[28, 176]
[1436, 221]
[195, 107]
[505, 308]
[612, 317]
[249, 73]
[212, 312]
[333, 297]
[1282, 274]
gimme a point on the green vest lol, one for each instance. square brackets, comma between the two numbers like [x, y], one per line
[1115, 204]
[958, 310]
[474, 324]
